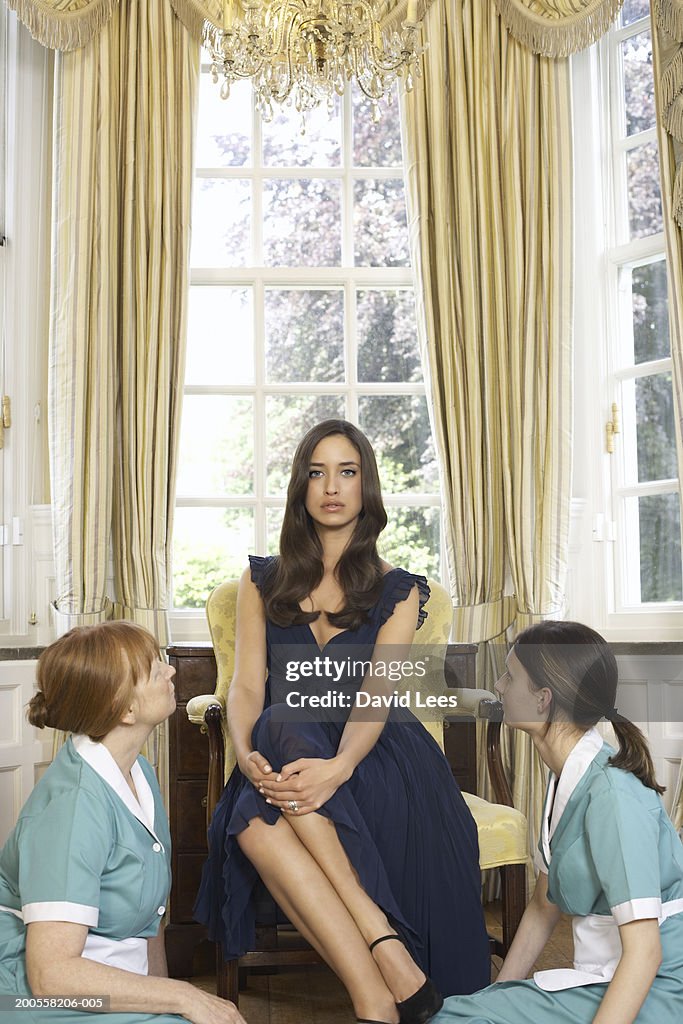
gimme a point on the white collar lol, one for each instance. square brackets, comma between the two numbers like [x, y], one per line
[102, 761]
[575, 767]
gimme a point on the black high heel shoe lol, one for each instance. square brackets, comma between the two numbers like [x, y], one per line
[423, 1004]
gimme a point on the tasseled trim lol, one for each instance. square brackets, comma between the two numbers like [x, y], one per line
[672, 119]
[672, 78]
[677, 200]
[558, 37]
[63, 29]
[194, 13]
[669, 15]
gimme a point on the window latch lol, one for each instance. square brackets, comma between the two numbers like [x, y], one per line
[612, 427]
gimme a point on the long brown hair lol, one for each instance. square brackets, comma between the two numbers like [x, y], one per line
[299, 569]
[86, 677]
[578, 666]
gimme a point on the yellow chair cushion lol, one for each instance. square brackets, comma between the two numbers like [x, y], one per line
[502, 833]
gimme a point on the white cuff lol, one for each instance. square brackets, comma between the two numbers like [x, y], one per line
[638, 910]
[74, 913]
[539, 863]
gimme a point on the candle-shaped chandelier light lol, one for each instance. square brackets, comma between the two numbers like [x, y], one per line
[310, 49]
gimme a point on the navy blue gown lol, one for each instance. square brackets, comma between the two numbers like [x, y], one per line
[401, 817]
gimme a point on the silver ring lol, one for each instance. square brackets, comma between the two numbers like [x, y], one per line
[293, 805]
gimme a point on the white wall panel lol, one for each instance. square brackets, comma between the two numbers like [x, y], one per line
[20, 746]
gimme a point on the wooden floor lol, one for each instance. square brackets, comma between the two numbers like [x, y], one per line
[315, 996]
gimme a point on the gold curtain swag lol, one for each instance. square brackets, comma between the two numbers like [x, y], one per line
[557, 28]
[63, 24]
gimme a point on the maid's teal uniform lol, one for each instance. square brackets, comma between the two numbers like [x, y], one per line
[84, 850]
[612, 856]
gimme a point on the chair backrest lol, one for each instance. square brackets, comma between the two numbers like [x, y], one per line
[221, 611]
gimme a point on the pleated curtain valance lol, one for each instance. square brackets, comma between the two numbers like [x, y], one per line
[63, 24]
[69, 24]
[557, 28]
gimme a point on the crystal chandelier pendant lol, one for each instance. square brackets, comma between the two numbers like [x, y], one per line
[307, 51]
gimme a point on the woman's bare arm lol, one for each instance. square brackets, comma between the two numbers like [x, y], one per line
[247, 688]
[535, 928]
[640, 960]
[56, 967]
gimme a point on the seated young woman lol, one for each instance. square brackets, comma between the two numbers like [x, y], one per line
[353, 820]
[608, 854]
[85, 874]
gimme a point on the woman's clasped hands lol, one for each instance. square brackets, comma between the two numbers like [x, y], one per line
[299, 787]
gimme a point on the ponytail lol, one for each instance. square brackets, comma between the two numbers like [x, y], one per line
[633, 754]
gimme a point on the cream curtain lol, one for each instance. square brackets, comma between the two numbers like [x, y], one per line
[489, 178]
[124, 114]
[667, 44]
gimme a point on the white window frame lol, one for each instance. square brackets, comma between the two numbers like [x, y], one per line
[190, 624]
[27, 99]
[599, 566]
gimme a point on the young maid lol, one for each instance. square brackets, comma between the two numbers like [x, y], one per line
[608, 854]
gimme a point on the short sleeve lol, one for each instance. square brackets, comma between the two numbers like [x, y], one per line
[398, 585]
[260, 566]
[62, 854]
[623, 841]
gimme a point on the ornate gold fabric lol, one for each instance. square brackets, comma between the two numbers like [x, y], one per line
[557, 28]
[502, 833]
[489, 186]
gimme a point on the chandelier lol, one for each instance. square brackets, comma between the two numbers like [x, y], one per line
[305, 51]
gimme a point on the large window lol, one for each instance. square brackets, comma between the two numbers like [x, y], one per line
[301, 308]
[647, 561]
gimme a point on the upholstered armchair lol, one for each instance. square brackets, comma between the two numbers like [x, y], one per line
[502, 829]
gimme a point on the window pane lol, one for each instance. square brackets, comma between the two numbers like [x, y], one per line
[220, 336]
[644, 199]
[380, 229]
[376, 144]
[221, 222]
[302, 223]
[304, 335]
[412, 540]
[634, 10]
[387, 342]
[639, 92]
[274, 517]
[650, 312]
[398, 429]
[660, 547]
[319, 146]
[287, 420]
[224, 126]
[216, 446]
[655, 428]
[210, 545]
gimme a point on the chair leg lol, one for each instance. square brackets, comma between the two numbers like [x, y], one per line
[227, 981]
[513, 884]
